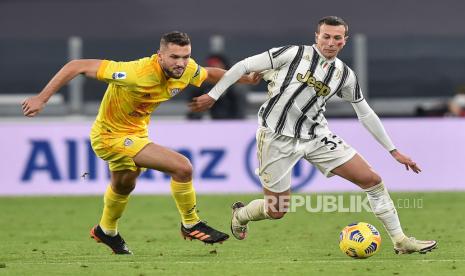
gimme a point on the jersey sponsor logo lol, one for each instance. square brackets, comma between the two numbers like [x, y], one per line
[138, 114]
[119, 75]
[144, 109]
[321, 89]
[174, 91]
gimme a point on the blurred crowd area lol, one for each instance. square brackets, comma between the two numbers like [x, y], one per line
[415, 76]
[412, 63]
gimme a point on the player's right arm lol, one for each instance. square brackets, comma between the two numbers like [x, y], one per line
[89, 67]
[271, 59]
[257, 63]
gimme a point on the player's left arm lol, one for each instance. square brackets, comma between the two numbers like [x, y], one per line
[215, 74]
[372, 123]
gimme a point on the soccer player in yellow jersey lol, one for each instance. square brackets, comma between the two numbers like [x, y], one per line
[119, 134]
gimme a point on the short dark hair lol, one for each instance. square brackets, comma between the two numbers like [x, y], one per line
[333, 21]
[178, 38]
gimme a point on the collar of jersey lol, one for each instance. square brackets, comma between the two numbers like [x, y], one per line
[323, 57]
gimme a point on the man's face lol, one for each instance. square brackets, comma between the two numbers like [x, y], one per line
[173, 59]
[330, 40]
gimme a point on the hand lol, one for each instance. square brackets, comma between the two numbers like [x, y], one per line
[202, 103]
[407, 161]
[252, 78]
[32, 106]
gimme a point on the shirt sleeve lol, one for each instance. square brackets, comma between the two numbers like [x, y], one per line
[351, 91]
[373, 124]
[282, 55]
[199, 75]
[257, 63]
[119, 73]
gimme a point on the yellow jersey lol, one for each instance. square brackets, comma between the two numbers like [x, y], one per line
[135, 89]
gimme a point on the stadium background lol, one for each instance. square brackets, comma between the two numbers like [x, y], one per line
[409, 53]
[406, 61]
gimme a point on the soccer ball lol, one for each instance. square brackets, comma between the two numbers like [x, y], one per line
[359, 240]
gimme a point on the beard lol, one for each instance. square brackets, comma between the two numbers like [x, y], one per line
[172, 73]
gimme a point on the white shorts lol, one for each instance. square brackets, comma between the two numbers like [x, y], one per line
[277, 154]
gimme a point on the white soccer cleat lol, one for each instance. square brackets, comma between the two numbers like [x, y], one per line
[238, 230]
[412, 245]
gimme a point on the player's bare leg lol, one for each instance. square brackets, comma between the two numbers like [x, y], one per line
[358, 171]
[180, 169]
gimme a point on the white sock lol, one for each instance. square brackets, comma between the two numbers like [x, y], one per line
[384, 209]
[253, 211]
[110, 232]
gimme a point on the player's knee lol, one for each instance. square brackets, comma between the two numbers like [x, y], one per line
[276, 215]
[128, 189]
[370, 180]
[184, 171]
[375, 179]
[124, 182]
[275, 212]
[124, 188]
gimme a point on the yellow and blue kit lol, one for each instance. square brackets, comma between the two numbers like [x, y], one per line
[135, 90]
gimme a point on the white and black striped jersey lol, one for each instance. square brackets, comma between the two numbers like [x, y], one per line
[300, 83]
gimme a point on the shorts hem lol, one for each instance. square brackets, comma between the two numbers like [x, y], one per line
[275, 190]
[342, 161]
[136, 152]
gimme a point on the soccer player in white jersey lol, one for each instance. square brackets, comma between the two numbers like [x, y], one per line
[292, 126]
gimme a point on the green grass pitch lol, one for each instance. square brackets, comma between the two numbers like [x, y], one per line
[49, 236]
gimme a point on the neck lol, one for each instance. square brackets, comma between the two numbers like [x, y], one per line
[320, 51]
[165, 72]
[167, 76]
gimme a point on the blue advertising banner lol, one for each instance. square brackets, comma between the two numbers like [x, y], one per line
[56, 158]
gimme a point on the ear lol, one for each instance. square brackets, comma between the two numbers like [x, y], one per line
[316, 37]
[345, 40]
